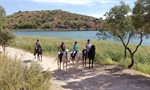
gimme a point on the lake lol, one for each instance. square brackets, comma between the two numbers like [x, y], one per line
[61, 34]
[84, 35]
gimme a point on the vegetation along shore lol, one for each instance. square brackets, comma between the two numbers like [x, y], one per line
[107, 52]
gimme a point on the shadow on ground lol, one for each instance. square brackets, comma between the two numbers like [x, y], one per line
[103, 77]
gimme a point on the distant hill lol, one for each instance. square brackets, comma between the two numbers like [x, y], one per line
[51, 20]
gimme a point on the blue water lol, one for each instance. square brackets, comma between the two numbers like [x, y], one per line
[61, 34]
[84, 35]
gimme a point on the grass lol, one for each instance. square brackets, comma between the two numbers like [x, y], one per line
[107, 52]
[15, 75]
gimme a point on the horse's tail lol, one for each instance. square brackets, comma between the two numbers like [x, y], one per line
[55, 59]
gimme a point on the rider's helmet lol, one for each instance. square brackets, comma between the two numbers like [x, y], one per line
[88, 40]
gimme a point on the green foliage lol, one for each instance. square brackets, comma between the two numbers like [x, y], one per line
[141, 10]
[16, 75]
[120, 25]
[27, 25]
[51, 19]
[6, 38]
[2, 16]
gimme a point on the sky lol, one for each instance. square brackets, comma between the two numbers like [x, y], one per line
[95, 8]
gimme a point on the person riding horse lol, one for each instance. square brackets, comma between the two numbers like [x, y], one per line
[37, 46]
[62, 50]
[75, 49]
[88, 46]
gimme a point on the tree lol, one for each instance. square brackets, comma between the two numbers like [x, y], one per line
[141, 16]
[5, 36]
[121, 25]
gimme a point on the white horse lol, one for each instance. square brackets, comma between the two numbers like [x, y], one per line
[65, 60]
[76, 59]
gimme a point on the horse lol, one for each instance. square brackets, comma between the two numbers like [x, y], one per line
[65, 60]
[90, 55]
[38, 51]
[76, 59]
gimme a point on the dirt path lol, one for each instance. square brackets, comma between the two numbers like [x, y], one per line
[102, 77]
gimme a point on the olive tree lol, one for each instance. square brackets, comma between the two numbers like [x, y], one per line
[121, 25]
[5, 36]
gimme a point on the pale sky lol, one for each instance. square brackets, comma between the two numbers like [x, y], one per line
[95, 8]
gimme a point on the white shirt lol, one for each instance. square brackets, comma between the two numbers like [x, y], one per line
[88, 46]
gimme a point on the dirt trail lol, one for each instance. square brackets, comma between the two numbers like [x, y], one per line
[102, 77]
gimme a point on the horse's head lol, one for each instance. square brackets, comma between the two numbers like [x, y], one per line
[67, 54]
[93, 47]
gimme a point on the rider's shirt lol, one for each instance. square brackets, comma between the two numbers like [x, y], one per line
[37, 44]
[63, 48]
[75, 47]
[88, 46]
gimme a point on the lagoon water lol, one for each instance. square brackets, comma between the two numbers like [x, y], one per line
[84, 35]
[60, 34]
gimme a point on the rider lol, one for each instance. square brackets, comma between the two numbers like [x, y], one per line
[37, 45]
[88, 46]
[75, 49]
[62, 50]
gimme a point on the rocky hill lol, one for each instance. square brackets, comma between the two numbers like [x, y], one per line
[51, 20]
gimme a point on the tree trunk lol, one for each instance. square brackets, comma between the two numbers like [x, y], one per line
[132, 61]
[3, 47]
[125, 53]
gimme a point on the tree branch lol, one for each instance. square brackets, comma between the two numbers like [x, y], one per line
[141, 37]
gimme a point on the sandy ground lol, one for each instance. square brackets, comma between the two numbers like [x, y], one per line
[101, 77]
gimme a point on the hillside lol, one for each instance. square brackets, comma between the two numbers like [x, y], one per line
[51, 20]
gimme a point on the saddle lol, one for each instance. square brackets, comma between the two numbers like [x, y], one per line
[61, 54]
[73, 54]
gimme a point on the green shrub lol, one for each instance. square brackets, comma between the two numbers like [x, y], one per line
[16, 75]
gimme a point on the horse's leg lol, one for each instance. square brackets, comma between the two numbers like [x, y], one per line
[89, 63]
[38, 56]
[60, 65]
[41, 57]
[77, 61]
[35, 56]
[85, 61]
[69, 64]
[74, 64]
[66, 67]
[63, 66]
[92, 62]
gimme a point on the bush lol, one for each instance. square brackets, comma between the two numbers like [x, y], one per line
[15, 75]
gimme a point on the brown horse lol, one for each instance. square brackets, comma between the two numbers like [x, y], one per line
[38, 52]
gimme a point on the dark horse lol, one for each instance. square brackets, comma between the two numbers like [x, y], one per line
[38, 51]
[90, 55]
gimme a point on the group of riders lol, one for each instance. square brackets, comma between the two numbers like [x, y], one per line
[63, 48]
